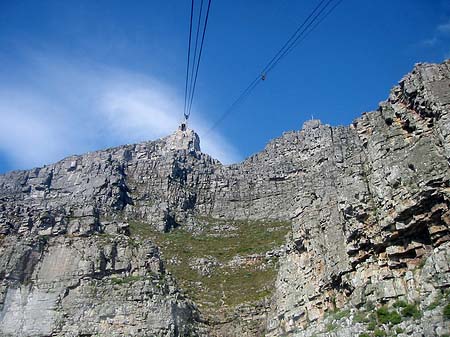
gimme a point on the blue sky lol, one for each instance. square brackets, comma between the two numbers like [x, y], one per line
[77, 76]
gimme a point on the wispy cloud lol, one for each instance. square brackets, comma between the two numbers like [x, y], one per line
[444, 27]
[64, 108]
[26, 133]
[440, 35]
[430, 42]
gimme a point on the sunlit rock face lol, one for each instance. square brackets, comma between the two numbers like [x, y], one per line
[372, 221]
[183, 139]
[367, 204]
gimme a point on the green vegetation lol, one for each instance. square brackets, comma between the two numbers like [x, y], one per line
[383, 321]
[399, 330]
[446, 311]
[436, 301]
[439, 299]
[385, 316]
[331, 327]
[339, 314]
[379, 333]
[411, 310]
[400, 304]
[141, 229]
[226, 285]
[421, 263]
[360, 317]
[248, 237]
[370, 306]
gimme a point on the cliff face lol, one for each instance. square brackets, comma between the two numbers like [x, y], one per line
[366, 208]
[372, 220]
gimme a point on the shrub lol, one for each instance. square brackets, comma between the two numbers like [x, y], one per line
[379, 333]
[400, 304]
[385, 316]
[395, 318]
[339, 314]
[447, 311]
[360, 317]
[411, 310]
[364, 334]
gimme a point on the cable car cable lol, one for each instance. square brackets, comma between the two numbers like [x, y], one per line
[188, 58]
[310, 21]
[198, 59]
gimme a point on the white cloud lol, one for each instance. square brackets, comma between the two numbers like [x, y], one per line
[135, 110]
[440, 35]
[26, 135]
[64, 108]
[131, 109]
[444, 28]
[430, 42]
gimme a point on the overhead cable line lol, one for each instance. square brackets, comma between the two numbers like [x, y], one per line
[199, 57]
[293, 36]
[188, 59]
[318, 23]
[193, 63]
[303, 30]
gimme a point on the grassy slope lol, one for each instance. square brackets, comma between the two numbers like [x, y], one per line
[225, 285]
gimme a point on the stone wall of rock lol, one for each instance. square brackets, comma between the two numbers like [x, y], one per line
[375, 210]
[369, 206]
[100, 285]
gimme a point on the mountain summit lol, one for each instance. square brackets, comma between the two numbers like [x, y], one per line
[183, 139]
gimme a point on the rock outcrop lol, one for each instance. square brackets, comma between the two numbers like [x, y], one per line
[368, 248]
[98, 285]
[375, 227]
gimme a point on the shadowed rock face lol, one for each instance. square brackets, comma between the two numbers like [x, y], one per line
[369, 206]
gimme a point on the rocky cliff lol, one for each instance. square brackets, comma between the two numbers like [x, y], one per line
[331, 231]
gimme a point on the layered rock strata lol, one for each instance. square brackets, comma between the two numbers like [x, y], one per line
[372, 223]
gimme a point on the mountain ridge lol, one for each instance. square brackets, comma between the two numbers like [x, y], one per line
[299, 239]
